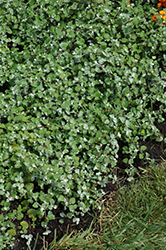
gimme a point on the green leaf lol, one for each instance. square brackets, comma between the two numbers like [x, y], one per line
[20, 216]
[141, 156]
[72, 200]
[61, 198]
[5, 156]
[125, 160]
[25, 205]
[57, 18]
[11, 232]
[24, 225]
[124, 40]
[29, 186]
[35, 205]
[50, 216]
[63, 45]
[106, 36]
[69, 215]
[31, 213]
[143, 148]
[1, 217]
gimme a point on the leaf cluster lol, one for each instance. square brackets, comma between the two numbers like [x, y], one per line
[76, 78]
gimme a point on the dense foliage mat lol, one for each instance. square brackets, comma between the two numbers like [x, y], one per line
[76, 78]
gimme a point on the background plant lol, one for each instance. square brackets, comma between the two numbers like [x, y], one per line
[75, 81]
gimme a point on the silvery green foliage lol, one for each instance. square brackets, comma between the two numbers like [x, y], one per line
[76, 78]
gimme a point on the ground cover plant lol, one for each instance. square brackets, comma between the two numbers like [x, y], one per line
[78, 79]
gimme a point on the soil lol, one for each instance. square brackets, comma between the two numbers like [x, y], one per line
[156, 150]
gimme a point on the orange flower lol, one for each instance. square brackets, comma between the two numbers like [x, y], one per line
[161, 12]
[154, 18]
[162, 3]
